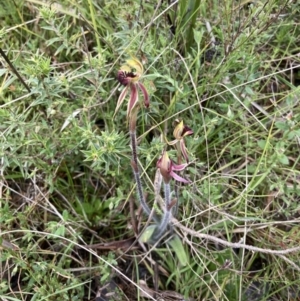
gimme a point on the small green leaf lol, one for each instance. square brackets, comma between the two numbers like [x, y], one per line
[230, 114]
[249, 90]
[282, 125]
[262, 143]
[176, 244]
[284, 159]
[146, 236]
[198, 36]
[65, 215]
[60, 231]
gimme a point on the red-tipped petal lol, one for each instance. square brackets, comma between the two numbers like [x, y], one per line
[187, 131]
[146, 95]
[178, 167]
[181, 130]
[134, 98]
[121, 99]
[178, 178]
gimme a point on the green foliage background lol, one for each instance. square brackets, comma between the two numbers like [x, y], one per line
[66, 179]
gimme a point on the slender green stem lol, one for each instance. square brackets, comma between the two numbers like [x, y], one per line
[176, 190]
[177, 184]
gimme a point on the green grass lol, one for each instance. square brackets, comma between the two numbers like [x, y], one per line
[66, 178]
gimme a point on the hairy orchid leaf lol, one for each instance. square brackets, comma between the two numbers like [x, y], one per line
[147, 234]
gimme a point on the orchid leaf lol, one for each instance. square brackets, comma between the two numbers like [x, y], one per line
[176, 244]
[146, 235]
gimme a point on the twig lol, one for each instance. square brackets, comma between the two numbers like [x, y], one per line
[234, 244]
[14, 70]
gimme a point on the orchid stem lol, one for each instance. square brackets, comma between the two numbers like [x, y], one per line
[135, 169]
[167, 195]
[133, 145]
[175, 208]
[161, 228]
[176, 187]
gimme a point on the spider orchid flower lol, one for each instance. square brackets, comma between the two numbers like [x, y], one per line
[180, 132]
[167, 168]
[129, 76]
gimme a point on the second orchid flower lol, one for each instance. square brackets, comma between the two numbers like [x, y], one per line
[180, 132]
[167, 168]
